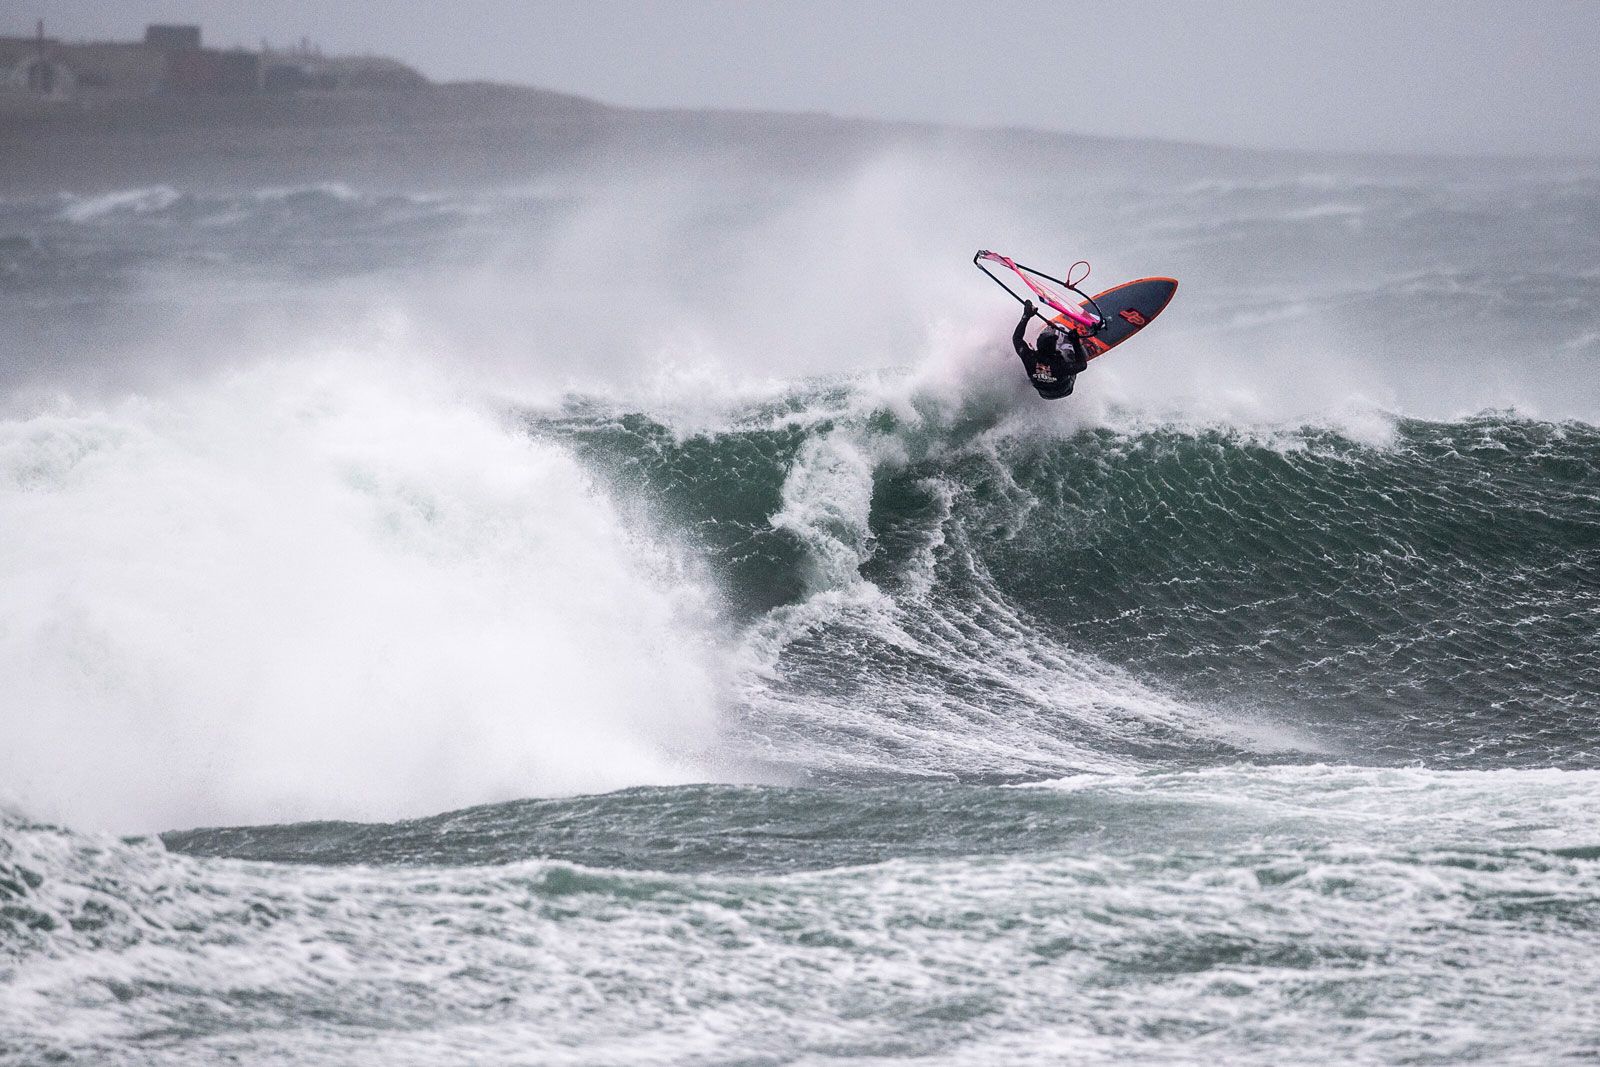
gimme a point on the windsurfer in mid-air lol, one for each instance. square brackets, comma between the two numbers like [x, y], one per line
[1075, 330]
[1055, 358]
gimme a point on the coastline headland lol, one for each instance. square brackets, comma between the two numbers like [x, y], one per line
[167, 108]
[436, 133]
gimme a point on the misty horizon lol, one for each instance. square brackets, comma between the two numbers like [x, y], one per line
[1429, 79]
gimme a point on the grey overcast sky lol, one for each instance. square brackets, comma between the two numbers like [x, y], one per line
[1398, 75]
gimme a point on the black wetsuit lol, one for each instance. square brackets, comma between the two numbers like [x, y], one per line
[1050, 372]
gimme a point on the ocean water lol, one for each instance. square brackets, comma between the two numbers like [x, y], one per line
[643, 616]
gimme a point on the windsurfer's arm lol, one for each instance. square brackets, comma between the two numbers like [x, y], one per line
[1017, 341]
[1080, 359]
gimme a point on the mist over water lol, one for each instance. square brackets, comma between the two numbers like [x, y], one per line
[1197, 716]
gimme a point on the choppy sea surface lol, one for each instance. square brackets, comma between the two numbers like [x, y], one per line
[648, 619]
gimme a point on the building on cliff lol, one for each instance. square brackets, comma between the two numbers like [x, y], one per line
[172, 60]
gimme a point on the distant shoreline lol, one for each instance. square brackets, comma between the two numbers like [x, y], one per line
[472, 133]
[162, 112]
[460, 133]
[233, 139]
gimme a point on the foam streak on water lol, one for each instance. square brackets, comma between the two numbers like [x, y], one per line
[1240, 914]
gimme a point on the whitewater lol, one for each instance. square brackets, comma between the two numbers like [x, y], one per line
[638, 612]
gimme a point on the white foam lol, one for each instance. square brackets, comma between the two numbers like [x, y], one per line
[1233, 915]
[136, 201]
[827, 499]
[331, 190]
[329, 588]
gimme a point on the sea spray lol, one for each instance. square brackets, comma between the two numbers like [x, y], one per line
[320, 588]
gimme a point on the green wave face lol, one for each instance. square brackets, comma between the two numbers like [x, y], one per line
[1433, 596]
